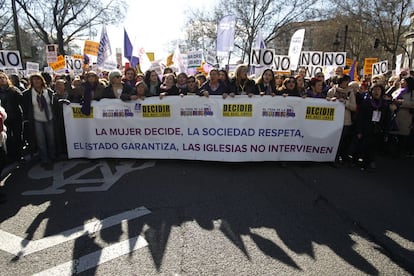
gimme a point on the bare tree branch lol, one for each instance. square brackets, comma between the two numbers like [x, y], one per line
[62, 21]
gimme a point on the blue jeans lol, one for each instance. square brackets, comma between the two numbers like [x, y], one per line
[45, 138]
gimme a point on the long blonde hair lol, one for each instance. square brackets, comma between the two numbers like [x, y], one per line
[9, 83]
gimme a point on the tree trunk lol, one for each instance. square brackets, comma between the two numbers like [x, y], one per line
[60, 42]
[17, 29]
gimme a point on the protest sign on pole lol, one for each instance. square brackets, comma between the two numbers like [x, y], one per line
[398, 63]
[91, 48]
[195, 58]
[225, 35]
[51, 53]
[104, 51]
[59, 65]
[380, 68]
[74, 64]
[368, 62]
[32, 67]
[295, 48]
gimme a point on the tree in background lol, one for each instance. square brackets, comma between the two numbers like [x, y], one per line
[5, 22]
[62, 21]
[266, 16]
[376, 24]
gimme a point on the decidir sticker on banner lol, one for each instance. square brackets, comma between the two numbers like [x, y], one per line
[77, 113]
[320, 113]
[156, 110]
[237, 110]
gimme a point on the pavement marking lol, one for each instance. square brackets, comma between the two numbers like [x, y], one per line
[95, 258]
[21, 247]
[401, 241]
[59, 180]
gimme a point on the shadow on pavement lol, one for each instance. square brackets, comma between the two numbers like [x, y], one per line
[302, 203]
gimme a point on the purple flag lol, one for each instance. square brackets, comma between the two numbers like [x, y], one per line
[225, 35]
[352, 71]
[260, 44]
[128, 48]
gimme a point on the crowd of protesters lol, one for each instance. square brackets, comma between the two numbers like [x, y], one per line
[378, 110]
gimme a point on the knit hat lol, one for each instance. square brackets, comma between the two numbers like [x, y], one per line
[380, 85]
[113, 74]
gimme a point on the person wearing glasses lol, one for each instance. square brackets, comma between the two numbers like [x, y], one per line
[116, 87]
[289, 88]
[192, 88]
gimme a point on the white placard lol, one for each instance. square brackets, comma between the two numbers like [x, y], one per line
[10, 59]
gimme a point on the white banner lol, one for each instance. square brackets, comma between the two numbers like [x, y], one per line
[398, 63]
[234, 129]
[295, 47]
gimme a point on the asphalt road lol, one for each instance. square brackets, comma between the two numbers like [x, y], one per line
[177, 217]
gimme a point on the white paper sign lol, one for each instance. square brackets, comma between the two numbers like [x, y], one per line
[10, 59]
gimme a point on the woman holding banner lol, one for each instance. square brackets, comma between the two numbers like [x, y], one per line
[300, 85]
[116, 88]
[241, 84]
[315, 89]
[168, 87]
[182, 83]
[153, 83]
[130, 77]
[213, 86]
[266, 83]
[88, 91]
[224, 77]
[192, 88]
[289, 88]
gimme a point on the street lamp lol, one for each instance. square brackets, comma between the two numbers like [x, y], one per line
[336, 42]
